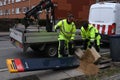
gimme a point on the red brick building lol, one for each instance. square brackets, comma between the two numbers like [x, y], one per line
[17, 8]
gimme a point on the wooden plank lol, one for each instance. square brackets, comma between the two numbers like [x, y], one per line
[105, 61]
[103, 66]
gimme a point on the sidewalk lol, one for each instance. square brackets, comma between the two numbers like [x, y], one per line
[41, 75]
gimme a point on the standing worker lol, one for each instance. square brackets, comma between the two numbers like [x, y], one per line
[66, 36]
[90, 36]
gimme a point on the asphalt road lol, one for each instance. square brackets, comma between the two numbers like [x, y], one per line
[7, 50]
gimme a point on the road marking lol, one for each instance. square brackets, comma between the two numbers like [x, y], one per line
[7, 48]
[2, 70]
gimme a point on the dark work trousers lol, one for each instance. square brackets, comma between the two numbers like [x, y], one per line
[85, 44]
[71, 48]
[97, 47]
[63, 48]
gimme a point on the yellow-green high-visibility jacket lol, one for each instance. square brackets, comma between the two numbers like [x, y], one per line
[91, 33]
[67, 31]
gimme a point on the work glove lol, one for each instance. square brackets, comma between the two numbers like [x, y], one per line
[57, 29]
[86, 40]
[85, 43]
[91, 44]
[71, 42]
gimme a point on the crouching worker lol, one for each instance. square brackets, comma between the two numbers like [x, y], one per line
[90, 36]
[66, 36]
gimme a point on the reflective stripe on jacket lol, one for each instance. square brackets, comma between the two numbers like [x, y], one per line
[91, 33]
[67, 31]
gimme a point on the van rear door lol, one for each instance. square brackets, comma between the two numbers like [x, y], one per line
[103, 18]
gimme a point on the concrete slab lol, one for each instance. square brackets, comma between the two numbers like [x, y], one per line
[53, 75]
[60, 74]
[5, 75]
[74, 72]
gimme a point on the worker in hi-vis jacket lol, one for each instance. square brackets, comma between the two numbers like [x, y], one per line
[90, 36]
[66, 36]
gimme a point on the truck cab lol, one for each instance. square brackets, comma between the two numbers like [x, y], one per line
[105, 17]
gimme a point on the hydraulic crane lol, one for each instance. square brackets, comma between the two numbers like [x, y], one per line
[34, 12]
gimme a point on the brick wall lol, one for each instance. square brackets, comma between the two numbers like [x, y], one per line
[79, 8]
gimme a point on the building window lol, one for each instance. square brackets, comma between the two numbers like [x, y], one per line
[17, 10]
[25, 9]
[0, 3]
[12, 1]
[6, 12]
[18, 0]
[4, 3]
[13, 11]
[8, 1]
[20, 9]
[1, 12]
[9, 12]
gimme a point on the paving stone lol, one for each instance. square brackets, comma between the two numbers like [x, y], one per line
[53, 75]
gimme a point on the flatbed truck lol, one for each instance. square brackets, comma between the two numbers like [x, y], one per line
[25, 35]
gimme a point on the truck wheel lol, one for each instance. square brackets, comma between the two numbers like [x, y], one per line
[51, 50]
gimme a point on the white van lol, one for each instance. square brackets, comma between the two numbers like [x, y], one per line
[105, 16]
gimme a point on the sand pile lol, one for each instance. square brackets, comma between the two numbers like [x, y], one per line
[87, 60]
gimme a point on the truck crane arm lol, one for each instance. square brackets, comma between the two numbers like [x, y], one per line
[44, 4]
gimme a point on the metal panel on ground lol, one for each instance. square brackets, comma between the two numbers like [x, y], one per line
[23, 65]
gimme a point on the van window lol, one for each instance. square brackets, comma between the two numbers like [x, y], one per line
[101, 15]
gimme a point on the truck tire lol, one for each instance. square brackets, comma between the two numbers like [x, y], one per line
[51, 50]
